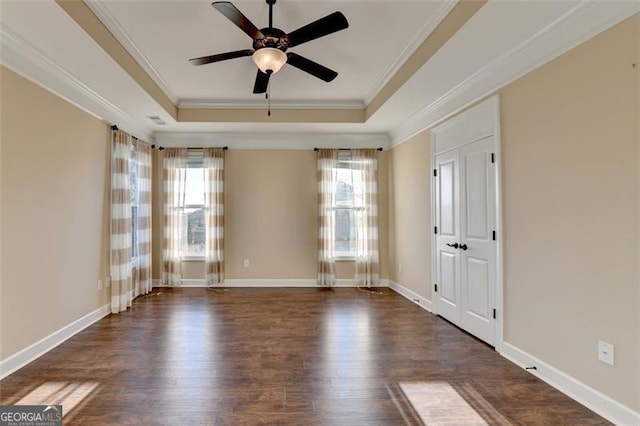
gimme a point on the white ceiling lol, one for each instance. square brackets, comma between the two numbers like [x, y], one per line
[179, 30]
[501, 42]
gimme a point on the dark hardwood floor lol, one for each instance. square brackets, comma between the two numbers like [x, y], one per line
[284, 356]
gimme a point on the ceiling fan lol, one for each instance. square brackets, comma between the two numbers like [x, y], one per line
[270, 44]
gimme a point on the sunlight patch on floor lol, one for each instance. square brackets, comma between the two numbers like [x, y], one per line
[67, 394]
[440, 403]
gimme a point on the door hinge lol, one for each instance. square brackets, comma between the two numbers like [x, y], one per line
[493, 157]
[435, 172]
[494, 235]
[494, 314]
[435, 288]
[435, 229]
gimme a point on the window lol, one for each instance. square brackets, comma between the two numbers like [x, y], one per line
[188, 229]
[193, 212]
[194, 231]
[348, 205]
[348, 214]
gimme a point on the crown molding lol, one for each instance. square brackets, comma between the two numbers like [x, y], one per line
[275, 104]
[419, 38]
[20, 56]
[578, 25]
[112, 24]
[274, 141]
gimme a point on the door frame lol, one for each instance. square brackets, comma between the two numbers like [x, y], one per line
[475, 123]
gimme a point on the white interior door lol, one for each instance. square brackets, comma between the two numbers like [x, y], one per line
[477, 245]
[448, 234]
[465, 246]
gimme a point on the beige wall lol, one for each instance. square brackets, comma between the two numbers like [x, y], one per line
[54, 213]
[571, 192]
[271, 216]
[571, 209]
[410, 215]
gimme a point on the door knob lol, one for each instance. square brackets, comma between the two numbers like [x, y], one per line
[454, 245]
[463, 246]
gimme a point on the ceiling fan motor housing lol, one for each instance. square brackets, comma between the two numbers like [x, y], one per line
[273, 37]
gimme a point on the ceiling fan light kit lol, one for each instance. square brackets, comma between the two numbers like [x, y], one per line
[269, 59]
[270, 44]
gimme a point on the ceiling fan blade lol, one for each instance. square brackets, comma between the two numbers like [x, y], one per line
[320, 28]
[262, 82]
[221, 57]
[234, 15]
[313, 68]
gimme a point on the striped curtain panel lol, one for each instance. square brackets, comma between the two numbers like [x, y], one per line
[121, 268]
[213, 163]
[367, 257]
[174, 179]
[142, 278]
[327, 163]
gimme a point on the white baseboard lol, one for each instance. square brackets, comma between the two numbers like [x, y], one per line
[30, 353]
[586, 395]
[269, 282]
[423, 302]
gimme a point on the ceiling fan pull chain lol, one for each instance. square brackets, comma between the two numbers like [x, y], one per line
[268, 100]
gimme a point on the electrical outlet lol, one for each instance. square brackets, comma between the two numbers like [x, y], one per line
[399, 267]
[99, 285]
[605, 352]
[107, 282]
[246, 263]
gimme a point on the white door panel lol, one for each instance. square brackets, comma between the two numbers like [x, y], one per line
[477, 286]
[448, 273]
[477, 201]
[448, 221]
[448, 202]
[476, 166]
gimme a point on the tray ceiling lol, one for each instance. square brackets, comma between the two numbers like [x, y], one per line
[401, 64]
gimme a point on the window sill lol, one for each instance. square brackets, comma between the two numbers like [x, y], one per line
[193, 258]
[345, 259]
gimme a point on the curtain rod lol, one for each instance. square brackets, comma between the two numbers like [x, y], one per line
[161, 148]
[345, 149]
[224, 148]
